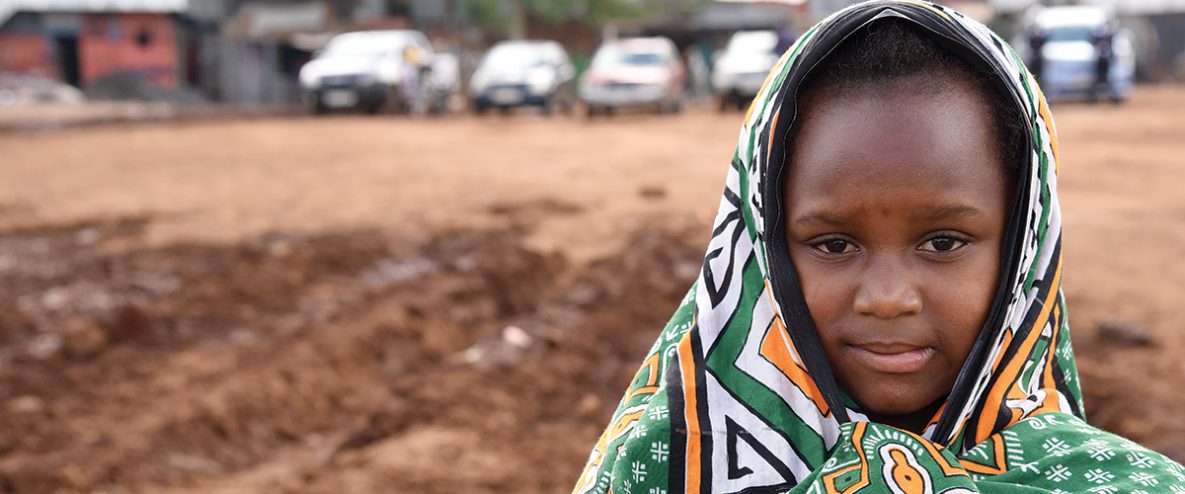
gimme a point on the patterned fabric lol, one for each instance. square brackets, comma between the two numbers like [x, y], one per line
[737, 396]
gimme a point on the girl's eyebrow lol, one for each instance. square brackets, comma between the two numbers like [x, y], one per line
[944, 212]
[949, 212]
[820, 218]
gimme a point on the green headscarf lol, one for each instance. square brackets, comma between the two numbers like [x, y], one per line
[737, 396]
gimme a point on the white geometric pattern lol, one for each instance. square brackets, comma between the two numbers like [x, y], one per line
[1058, 473]
[1099, 476]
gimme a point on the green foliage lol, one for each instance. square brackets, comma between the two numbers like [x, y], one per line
[499, 13]
[489, 13]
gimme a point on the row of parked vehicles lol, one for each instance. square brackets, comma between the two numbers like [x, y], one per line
[1076, 52]
[398, 71]
[632, 72]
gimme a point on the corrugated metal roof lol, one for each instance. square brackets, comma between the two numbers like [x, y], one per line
[10, 7]
[732, 15]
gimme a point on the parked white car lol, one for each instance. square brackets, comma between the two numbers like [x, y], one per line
[394, 70]
[742, 67]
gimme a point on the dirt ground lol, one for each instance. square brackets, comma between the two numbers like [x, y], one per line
[375, 304]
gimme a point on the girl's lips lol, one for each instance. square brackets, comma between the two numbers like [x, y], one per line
[893, 359]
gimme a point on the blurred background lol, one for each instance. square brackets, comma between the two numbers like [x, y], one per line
[422, 245]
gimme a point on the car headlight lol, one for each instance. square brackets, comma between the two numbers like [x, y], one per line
[309, 78]
[587, 88]
[478, 83]
[722, 78]
[539, 81]
[592, 81]
[389, 74]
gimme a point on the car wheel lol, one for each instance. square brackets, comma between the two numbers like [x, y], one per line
[313, 105]
[568, 105]
[391, 102]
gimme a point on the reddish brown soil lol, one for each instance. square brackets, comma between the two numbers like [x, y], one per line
[380, 305]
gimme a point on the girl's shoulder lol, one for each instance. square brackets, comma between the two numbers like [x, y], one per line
[1063, 453]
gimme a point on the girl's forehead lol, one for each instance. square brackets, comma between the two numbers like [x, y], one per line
[913, 159]
[867, 142]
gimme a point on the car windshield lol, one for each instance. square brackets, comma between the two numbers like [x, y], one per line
[515, 56]
[1069, 33]
[753, 42]
[616, 55]
[362, 44]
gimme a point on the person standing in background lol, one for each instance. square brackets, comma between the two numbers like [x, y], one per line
[1104, 51]
[1037, 57]
[697, 73]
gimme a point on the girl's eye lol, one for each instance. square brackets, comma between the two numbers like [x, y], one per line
[836, 246]
[942, 244]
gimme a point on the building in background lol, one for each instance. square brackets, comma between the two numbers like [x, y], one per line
[1159, 27]
[260, 45]
[83, 41]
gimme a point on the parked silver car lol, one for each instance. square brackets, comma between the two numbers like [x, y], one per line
[524, 73]
[634, 72]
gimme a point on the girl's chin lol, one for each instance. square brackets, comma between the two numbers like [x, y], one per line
[893, 409]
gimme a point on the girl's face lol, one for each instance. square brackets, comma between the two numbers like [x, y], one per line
[896, 211]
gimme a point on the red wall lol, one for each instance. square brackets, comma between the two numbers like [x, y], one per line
[27, 54]
[111, 43]
[108, 43]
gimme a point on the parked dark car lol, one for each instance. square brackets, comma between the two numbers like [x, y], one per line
[524, 73]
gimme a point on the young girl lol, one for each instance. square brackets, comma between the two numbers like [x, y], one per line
[880, 306]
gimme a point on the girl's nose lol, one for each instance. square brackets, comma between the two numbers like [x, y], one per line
[887, 290]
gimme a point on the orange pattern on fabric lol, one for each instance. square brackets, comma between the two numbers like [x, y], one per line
[615, 430]
[949, 469]
[774, 125]
[829, 479]
[904, 475]
[691, 416]
[1049, 384]
[651, 387]
[1006, 384]
[1043, 109]
[998, 452]
[594, 464]
[776, 347]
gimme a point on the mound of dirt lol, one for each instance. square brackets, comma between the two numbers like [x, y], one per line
[345, 362]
